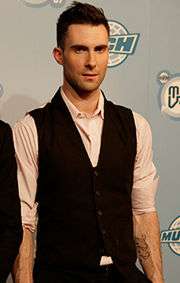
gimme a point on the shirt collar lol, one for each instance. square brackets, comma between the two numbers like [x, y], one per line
[75, 113]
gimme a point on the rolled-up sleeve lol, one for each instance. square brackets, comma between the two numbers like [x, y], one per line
[145, 174]
[26, 148]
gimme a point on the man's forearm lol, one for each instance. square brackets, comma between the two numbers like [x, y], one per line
[147, 239]
[23, 266]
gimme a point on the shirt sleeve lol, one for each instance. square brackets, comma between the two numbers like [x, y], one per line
[145, 174]
[26, 148]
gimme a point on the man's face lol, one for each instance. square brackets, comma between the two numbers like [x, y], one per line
[85, 57]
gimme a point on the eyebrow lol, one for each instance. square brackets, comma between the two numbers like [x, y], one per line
[81, 46]
[103, 46]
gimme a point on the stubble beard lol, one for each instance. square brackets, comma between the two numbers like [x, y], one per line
[81, 89]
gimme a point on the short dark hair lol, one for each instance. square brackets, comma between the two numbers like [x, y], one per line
[79, 13]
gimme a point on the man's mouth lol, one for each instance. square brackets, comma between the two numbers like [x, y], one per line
[90, 75]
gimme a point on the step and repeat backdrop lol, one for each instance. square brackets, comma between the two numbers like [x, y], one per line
[143, 74]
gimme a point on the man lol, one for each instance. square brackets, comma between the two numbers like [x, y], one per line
[10, 218]
[82, 158]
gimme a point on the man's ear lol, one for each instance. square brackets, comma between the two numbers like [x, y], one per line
[58, 55]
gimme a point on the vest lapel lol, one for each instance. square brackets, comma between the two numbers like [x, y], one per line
[65, 119]
[113, 136]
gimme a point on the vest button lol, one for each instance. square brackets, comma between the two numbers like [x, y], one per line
[96, 173]
[98, 194]
[99, 212]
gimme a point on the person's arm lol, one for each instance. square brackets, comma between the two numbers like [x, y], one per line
[10, 216]
[146, 224]
[147, 239]
[26, 147]
[23, 266]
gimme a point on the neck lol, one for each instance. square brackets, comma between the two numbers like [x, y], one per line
[84, 102]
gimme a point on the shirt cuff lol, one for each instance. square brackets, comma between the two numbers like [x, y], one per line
[29, 216]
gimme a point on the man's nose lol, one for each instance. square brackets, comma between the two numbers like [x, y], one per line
[91, 60]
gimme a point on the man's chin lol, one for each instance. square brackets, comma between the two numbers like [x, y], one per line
[84, 88]
[87, 90]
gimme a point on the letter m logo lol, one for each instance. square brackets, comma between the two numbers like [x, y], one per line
[166, 236]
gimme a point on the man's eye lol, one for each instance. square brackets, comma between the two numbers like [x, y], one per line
[80, 50]
[100, 49]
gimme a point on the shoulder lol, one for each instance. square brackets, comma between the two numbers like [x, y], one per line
[141, 123]
[143, 129]
[26, 122]
[40, 111]
[117, 107]
[25, 136]
[124, 113]
[130, 117]
[25, 129]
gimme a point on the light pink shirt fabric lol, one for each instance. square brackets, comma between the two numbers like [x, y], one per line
[90, 128]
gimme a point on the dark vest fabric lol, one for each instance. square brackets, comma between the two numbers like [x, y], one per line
[10, 213]
[84, 212]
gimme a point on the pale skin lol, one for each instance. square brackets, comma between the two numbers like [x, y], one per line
[23, 266]
[84, 59]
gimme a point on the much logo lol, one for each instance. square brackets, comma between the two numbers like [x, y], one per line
[1, 90]
[42, 3]
[170, 93]
[121, 43]
[171, 236]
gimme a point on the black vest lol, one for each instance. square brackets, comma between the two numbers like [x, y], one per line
[81, 208]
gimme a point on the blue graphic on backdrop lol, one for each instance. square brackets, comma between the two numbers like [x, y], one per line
[1, 90]
[121, 43]
[170, 93]
[171, 236]
[42, 3]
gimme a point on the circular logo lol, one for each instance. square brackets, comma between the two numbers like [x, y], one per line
[36, 2]
[41, 3]
[171, 236]
[116, 29]
[1, 90]
[170, 95]
[121, 43]
[175, 226]
[56, 3]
